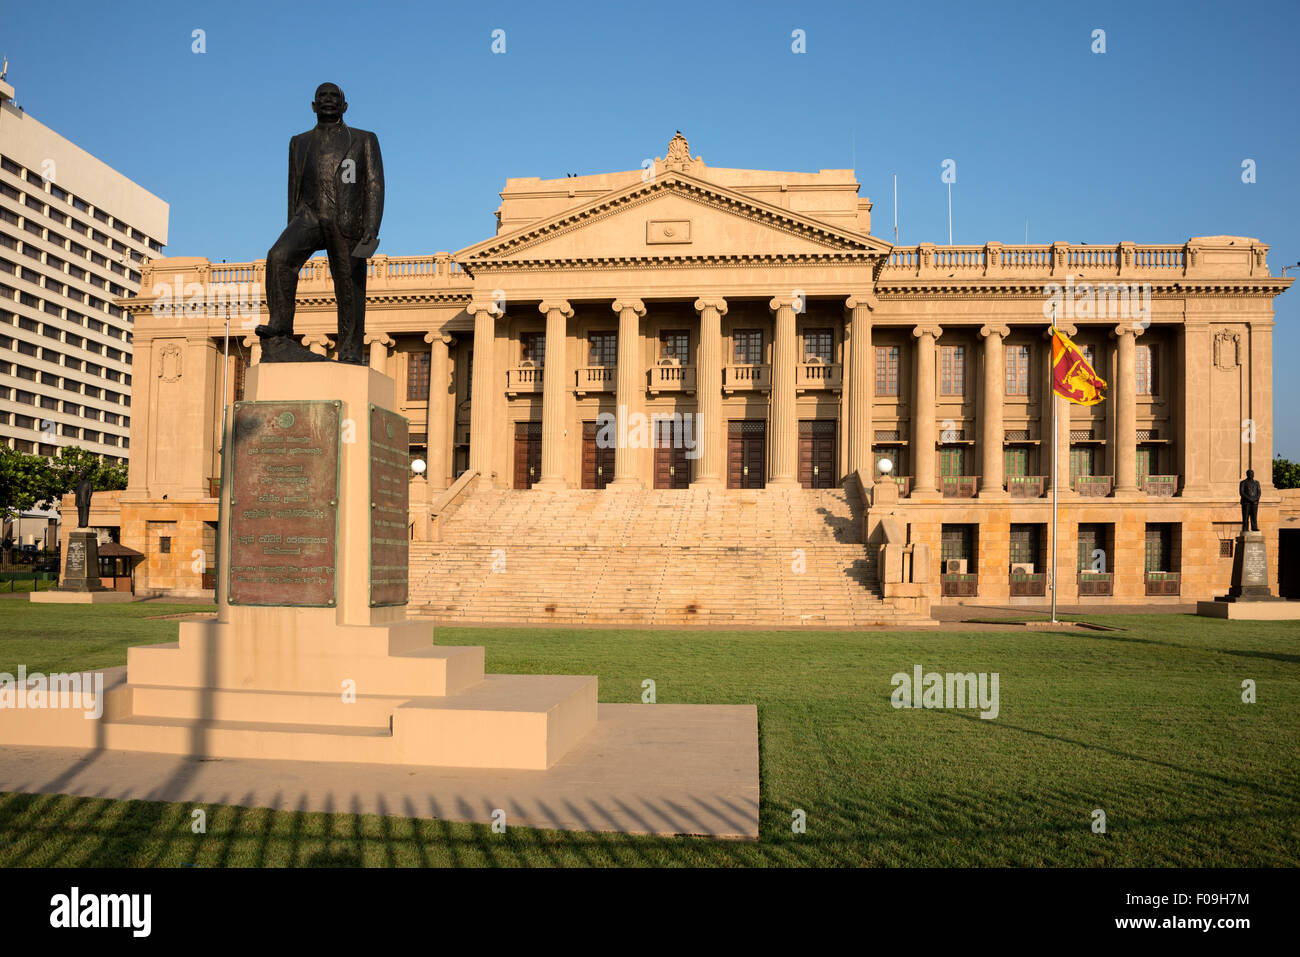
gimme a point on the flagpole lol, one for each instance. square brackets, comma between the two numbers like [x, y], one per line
[1056, 448]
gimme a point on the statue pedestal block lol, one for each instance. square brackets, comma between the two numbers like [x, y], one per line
[1250, 598]
[81, 564]
[311, 656]
[81, 584]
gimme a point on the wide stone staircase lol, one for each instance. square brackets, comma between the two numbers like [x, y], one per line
[771, 558]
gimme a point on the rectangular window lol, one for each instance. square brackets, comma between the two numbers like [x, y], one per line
[1082, 461]
[1016, 461]
[887, 370]
[1017, 358]
[747, 346]
[952, 461]
[952, 370]
[602, 349]
[1025, 541]
[1159, 548]
[817, 345]
[675, 344]
[1148, 462]
[1147, 359]
[956, 541]
[534, 347]
[417, 376]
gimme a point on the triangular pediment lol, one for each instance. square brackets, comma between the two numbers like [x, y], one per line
[676, 216]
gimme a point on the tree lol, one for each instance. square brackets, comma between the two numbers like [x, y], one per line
[24, 480]
[66, 470]
[1286, 474]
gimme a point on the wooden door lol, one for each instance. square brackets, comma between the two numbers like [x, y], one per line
[746, 453]
[672, 467]
[597, 462]
[528, 453]
[817, 453]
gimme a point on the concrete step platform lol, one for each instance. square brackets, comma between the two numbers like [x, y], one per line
[645, 769]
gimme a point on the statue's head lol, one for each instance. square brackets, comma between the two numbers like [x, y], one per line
[1250, 473]
[329, 105]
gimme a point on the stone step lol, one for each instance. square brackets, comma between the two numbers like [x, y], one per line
[506, 722]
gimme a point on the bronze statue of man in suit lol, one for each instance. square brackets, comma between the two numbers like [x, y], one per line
[82, 494]
[336, 201]
[1250, 491]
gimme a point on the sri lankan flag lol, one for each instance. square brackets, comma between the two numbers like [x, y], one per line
[1072, 376]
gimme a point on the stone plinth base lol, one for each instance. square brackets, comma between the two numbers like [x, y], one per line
[1278, 609]
[57, 596]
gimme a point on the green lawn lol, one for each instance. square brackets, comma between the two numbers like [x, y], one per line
[1146, 723]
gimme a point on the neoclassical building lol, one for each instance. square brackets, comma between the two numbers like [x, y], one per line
[685, 327]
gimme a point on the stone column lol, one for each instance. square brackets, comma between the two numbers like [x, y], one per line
[480, 400]
[1126, 408]
[254, 346]
[923, 433]
[1259, 454]
[708, 385]
[783, 470]
[991, 430]
[379, 343]
[630, 389]
[438, 441]
[860, 386]
[1196, 440]
[555, 378]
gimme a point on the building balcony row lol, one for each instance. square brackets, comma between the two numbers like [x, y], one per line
[1039, 486]
[678, 378]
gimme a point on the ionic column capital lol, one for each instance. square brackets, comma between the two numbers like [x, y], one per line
[556, 305]
[438, 335]
[1001, 330]
[857, 299]
[718, 304]
[382, 338]
[490, 307]
[930, 329]
[636, 305]
[786, 302]
[1069, 328]
[1134, 329]
[318, 344]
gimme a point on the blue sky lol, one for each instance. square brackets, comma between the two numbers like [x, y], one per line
[1143, 143]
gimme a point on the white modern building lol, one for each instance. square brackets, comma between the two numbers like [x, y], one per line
[74, 234]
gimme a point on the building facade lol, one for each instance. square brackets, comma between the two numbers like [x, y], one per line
[685, 326]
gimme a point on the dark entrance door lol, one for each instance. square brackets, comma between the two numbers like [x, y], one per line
[672, 467]
[597, 462]
[1288, 562]
[746, 453]
[528, 453]
[817, 453]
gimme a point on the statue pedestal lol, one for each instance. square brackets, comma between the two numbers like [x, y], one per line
[1250, 597]
[80, 584]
